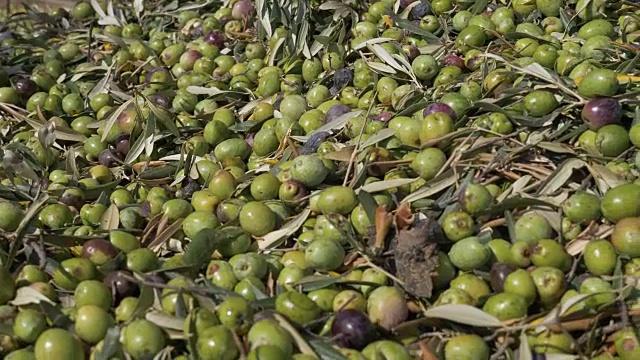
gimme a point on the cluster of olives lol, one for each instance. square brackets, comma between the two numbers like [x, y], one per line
[132, 140]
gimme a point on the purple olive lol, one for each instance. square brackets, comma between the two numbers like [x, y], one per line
[123, 144]
[189, 57]
[352, 329]
[600, 112]
[107, 158]
[160, 100]
[420, 10]
[99, 251]
[242, 9]
[453, 60]
[216, 37]
[120, 286]
[336, 111]
[498, 273]
[384, 116]
[439, 108]
[148, 77]
[24, 86]
[411, 51]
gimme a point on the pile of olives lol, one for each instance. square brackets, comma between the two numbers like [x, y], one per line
[444, 179]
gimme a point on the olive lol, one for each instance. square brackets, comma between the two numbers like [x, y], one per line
[387, 307]
[297, 307]
[142, 338]
[470, 37]
[582, 207]
[385, 349]
[475, 286]
[531, 227]
[72, 271]
[216, 342]
[458, 225]
[352, 329]
[621, 202]
[625, 236]
[626, 343]
[506, 306]
[92, 323]
[540, 102]
[550, 284]
[120, 286]
[612, 140]
[323, 254]
[92, 292]
[12, 215]
[28, 325]
[197, 221]
[469, 254]
[58, 344]
[257, 218]
[467, 346]
[599, 82]
[547, 252]
[428, 163]
[425, 67]
[521, 283]
[269, 332]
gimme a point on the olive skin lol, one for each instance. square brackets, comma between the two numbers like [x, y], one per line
[12, 214]
[600, 257]
[142, 338]
[257, 218]
[520, 283]
[625, 237]
[337, 199]
[428, 162]
[506, 306]
[531, 227]
[599, 82]
[469, 254]
[269, 332]
[387, 307]
[28, 325]
[626, 344]
[308, 170]
[58, 344]
[540, 102]
[324, 255]
[620, 202]
[385, 349]
[297, 307]
[468, 347]
[550, 284]
[215, 343]
[582, 208]
[458, 225]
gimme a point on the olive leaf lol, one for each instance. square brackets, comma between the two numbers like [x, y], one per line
[463, 314]
[273, 238]
[111, 218]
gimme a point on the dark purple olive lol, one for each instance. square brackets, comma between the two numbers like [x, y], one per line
[352, 329]
[99, 251]
[420, 10]
[72, 197]
[189, 186]
[341, 78]
[439, 108]
[499, 272]
[123, 144]
[599, 112]
[384, 116]
[107, 158]
[24, 86]
[120, 285]
[160, 100]
[411, 51]
[216, 37]
[453, 60]
[242, 9]
[335, 112]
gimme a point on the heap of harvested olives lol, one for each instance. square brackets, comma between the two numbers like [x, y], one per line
[239, 179]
